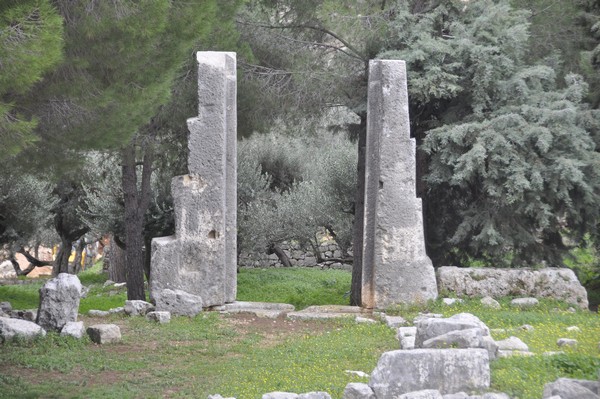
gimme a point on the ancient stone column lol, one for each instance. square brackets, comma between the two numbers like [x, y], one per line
[396, 268]
[201, 258]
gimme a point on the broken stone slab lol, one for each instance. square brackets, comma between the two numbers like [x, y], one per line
[240, 306]
[178, 302]
[490, 302]
[355, 390]
[280, 395]
[407, 331]
[446, 370]
[524, 303]
[488, 343]
[5, 307]
[469, 338]
[566, 342]
[423, 394]
[16, 328]
[360, 374]
[365, 320]
[303, 315]
[137, 307]
[159, 317]
[451, 301]
[59, 302]
[553, 283]
[573, 329]
[217, 397]
[118, 310]
[335, 309]
[104, 333]
[424, 316]
[512, 344]
[73, 329]
[568, 388]
[407, 343]
[433, 327]
[394, 321]
[98, 313]
[314, 395]
[508, 353]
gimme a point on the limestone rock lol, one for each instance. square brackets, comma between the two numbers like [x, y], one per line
[446, 370]
[433, 327]
[6, 307]
[527, 327]
[394, 321]
[490, 302]
[364, 320]
[314, 395]
[512, 344]
[568, 389]
[491, 346]
[104, 333]
[451, 301]
[178, 302]
[59, 302]
[73, 329]
[458, 395]
[566, 342]
[424, 394]
[16, 328]
[495, 395]
[469, 338]
[217, 397]
[137, 307]
[356, 390]
[118, 310]
[524, 302]
[553, 283]
[407, 342]
[280, 395]
[159, 317]
[98, 313]
[573, 329]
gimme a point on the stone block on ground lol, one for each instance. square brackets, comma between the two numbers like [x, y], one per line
[451, 301]
[446, 370]
[512, 344]
[19, 329]
[490, 302]
[524, 303]
[98, 313]
[178, 302]
[73, 329]
[568, 388]
[59, 302]
[469, 338]
[394, 321]
[356, 390]
[424, 394]
[104, 333]
[159, 317]
[137, 307]
[566, 342]
[5, 307]
[280, 395]
[433, 327]
[314, 395]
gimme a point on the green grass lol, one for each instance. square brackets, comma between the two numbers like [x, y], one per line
[212, 353]
[300, 287]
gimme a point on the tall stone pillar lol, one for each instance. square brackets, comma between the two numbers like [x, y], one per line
[396, 268]
[201, 258]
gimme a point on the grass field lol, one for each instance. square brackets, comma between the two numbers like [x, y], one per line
[243, 356]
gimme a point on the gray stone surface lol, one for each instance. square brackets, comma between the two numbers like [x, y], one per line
[566, 342]
[104, 333]
[447, 370]
[512, 344]
[280, 395]
[490, 302]
[6, 307]
[17, 328]
[554, 283]
[73, 329]
[137, 307]
[159, 317]
[396, 268]
[524, 302]
[178, 302]
[59, 302]
[407, 342]
[451, 301]
[488, 343]
[98, 313]
[394, 321]
[469, 338]
[458, 395]
[424, 394]
[201, 257]
[434, 327]
[567, 388]
[356, 390]
[314, 395]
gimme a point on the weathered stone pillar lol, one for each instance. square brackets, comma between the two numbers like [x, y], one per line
[396, 268]
[201, 257]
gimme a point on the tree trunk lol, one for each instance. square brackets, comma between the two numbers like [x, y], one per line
[78, 256]
[33, 262]
[147, 256]
[61, 263]
[359, 213]
[281, 255]
[116, 262]
[136, 204]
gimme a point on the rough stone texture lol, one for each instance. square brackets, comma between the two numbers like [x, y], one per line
[396, 268]
[447, 370]
[137, 307]
[59, 302]
[490, 302]
[258, 309]
[201, 257]
[314, 395]
[217, 397]
[104, 333]
[407, 343]
[566, 342]
[280, 395]
[469, 338]
[178, 302]
[573, 329]
[458, 395]
[524, 302]
[356, 390]
[394, 321]
[434, 327]
[424, 394]
[552, 283]
[159, 317]
[491, 346]
[6, 307]
[16, 328]
[98, 313]
[512, 344]
[451, 301]
[73, 329]
[118, 310]
[568, 389]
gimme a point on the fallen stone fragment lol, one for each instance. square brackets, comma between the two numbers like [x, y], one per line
[394, 321]
[423, 316]
[73, 329]
[6, 307]
[451, 301]
[503, 354]
[512, 344]
[527, 327]
[118, 310]
[407, 342]
[98, 313]
[458, 395]
[573, 329]
[524, 303]
[159, 317]
[59, 302]
[364, 320]
[469, 338]
[217, 397]
[360, 374]
[178, 302]
[566, 342]
[17, 328]
[568, 388]
[137, 307]
[104, 333]
[490, 302]
[280, 395]
[424, 394]
[433, 327]
[446, 370]
[356, 390]
[314, 395]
